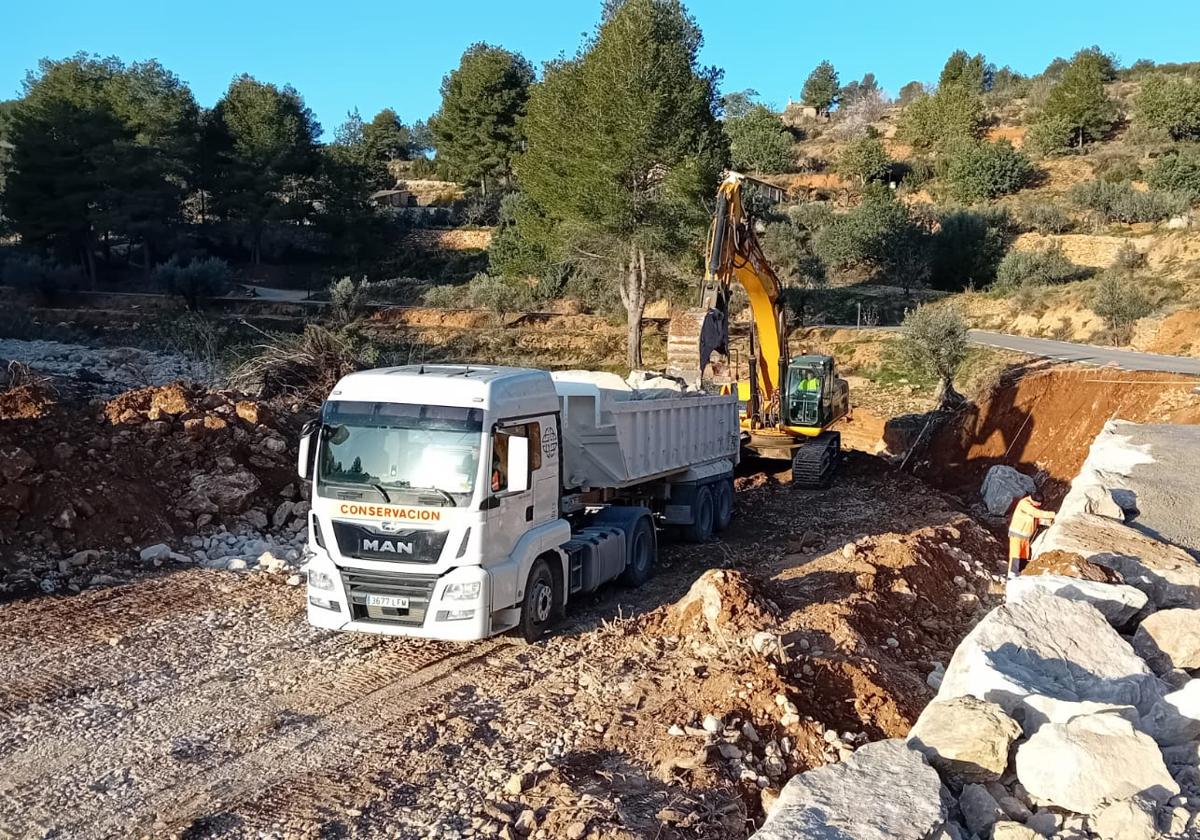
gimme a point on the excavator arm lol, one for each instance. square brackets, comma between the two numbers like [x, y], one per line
[735, 255]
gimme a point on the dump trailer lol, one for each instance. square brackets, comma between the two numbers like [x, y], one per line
[458, 502]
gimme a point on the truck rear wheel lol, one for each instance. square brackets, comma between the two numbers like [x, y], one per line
[701, 528]
[537, 608]
[722, 504]
[639, 564]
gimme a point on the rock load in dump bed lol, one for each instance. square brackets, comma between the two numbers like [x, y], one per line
[617, 432]
[1071, 711]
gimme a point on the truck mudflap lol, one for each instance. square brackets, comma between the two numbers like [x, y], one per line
[454, 606]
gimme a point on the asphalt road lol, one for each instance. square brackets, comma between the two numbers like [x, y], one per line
[1087, 354]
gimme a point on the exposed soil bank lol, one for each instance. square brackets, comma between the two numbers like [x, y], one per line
[1045, 421]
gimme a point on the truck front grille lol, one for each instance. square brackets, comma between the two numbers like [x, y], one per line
[418, 589]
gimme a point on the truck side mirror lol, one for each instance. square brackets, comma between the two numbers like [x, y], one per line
[308, 437]
[518, 464]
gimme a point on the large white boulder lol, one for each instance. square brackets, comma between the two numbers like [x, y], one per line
[1168, 575]
[1090, 760]
[1002, 486]
[1119, 603]
[965, 739]
[1045, 658]
[1170, 639]
[884, 791]
[1175, 719]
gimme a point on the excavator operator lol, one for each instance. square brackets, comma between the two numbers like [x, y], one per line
[806, 397]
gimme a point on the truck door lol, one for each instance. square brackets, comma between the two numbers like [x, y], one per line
[513, 513]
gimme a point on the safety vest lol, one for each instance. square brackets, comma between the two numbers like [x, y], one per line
[1026, 517]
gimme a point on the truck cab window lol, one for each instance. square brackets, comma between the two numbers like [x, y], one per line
[499, 474]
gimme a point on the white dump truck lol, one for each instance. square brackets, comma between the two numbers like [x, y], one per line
[459, 502]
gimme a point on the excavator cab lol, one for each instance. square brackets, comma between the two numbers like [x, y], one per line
[805, 387]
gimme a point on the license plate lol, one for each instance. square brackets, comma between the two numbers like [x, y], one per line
[391, 601]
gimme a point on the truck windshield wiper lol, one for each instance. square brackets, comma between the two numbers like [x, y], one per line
[407, 485]
[382, 492]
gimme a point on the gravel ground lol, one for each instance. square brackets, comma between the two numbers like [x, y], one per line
[198, 703]
[108, 371]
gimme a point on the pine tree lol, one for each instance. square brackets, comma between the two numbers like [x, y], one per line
[624, 149]
[1077, 109]
[478, 130]
[821, 88]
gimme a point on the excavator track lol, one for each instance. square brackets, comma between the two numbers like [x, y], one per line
[815, 462]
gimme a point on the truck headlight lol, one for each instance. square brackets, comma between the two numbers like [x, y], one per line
[320, 580]
[461, 591]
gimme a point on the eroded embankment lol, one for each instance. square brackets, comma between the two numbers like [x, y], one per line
[1045, 420]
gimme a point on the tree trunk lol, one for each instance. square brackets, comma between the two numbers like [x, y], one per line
[948, 396]
[633, 297]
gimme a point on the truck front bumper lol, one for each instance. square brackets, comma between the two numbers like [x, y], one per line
[454, 606]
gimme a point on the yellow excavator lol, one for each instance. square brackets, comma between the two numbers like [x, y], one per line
[788, 403]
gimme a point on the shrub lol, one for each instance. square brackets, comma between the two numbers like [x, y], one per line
[980, 171]
[1118, 299]
[1122, 203]
[32, 273]
[882, 235]
[1171, 104]
[953, 113]
[1128, 258]
[347, 300]
[967, 248]
[194, 280]
[485, 291]
[864, 160]
[517, 248]
[1034, 268]
[935, 340]
[1045, 218]
[302, 367]
[759, 142]
[1117, 170]
[1178, 173]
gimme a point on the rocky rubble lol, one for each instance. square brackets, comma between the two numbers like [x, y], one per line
[1070, 712]
[206, 472]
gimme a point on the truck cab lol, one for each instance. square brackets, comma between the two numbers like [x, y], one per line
[439, 508]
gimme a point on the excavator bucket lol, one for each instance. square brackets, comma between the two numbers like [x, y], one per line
[698, 346]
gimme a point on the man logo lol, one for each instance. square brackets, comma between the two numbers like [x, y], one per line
[386, 546]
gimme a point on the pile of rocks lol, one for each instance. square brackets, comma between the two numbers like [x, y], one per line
[1072, 711]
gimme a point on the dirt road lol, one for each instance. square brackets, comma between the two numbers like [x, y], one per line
[198, 703]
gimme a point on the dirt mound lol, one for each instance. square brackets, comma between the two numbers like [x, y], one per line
[1046, 421]
[149, 466]
[25, 402]
[722, 604]
[1071, 565]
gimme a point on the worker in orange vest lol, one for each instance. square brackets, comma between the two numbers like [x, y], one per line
[1026, 518]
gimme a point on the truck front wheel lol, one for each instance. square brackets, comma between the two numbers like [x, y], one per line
[538, 606]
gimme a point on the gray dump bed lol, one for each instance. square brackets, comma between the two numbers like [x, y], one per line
[615, 436]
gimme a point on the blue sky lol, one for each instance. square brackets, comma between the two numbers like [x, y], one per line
[393, 54]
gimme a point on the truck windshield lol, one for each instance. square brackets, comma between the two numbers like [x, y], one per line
[398, 451]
